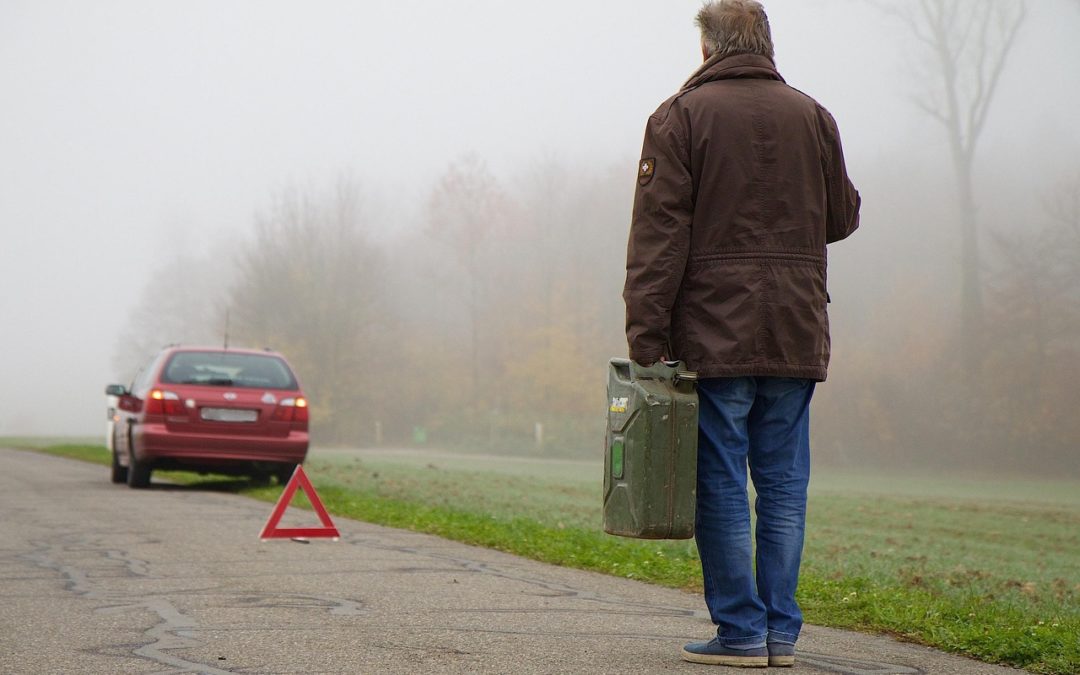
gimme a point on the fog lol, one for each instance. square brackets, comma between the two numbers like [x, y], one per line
[142, 142]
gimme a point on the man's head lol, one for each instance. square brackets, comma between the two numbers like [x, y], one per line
[731, 27]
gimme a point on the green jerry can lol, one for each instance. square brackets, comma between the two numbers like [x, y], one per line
[650, 461]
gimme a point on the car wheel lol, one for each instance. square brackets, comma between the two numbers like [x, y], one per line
[138, 472]
[138, 475]
[285, 473]
[119, 473]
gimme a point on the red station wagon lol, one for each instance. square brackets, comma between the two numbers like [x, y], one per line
[233, 411]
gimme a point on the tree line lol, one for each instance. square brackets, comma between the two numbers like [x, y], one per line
[499, 308]
[494, 314]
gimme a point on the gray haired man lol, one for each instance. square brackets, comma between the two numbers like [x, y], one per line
[741, 185]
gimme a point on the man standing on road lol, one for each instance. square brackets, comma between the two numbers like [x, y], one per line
[741, 184]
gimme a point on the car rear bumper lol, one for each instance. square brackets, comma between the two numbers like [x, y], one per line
[154, 441]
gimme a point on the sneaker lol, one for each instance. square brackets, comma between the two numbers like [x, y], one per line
[715, 654]
[781, 654]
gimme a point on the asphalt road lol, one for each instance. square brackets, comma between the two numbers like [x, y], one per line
[99, 578]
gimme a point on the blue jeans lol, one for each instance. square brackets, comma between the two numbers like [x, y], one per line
[763, 422]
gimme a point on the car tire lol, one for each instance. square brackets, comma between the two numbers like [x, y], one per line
[285, 473]
[119, 473]
[138, 474]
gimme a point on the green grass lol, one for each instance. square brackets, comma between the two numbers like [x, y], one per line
[990, 569]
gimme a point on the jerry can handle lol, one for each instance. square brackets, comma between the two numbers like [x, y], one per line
[661, 370]
[680, 375]
[685, 376]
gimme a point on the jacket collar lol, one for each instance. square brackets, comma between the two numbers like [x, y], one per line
[732, 67]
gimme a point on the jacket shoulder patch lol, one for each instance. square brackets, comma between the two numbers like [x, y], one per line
[646, 170]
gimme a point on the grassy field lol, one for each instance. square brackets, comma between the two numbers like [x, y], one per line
[986, 568]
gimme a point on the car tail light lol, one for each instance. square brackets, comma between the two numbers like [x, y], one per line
[292, 410]
[162, 402]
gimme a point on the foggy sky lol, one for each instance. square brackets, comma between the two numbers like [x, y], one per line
[135, 130]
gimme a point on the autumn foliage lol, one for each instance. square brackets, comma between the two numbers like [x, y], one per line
[497, 311]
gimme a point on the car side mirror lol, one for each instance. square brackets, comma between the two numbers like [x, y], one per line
[116, 390]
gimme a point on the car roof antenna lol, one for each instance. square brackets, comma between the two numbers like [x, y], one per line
[226, 329]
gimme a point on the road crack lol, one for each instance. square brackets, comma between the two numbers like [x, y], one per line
[174, 631]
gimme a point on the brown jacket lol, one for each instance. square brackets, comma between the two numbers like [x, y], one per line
[741, 185]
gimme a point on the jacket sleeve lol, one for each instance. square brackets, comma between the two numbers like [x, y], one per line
[659, 239]
[842, 212]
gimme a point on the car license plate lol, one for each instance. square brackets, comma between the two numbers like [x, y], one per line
[229, 415]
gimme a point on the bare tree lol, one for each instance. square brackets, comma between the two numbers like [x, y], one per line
[1064, 211]
[1037, 282]
[969, 42]
[310, 284]
[465, 211]
[1033, 359]
[182, 304]
[1064, 208]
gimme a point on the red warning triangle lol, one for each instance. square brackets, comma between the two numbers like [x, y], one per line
[299, 480]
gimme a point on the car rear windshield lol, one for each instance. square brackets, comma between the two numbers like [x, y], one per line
[228, 369]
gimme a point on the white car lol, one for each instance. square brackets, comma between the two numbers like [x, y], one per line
[110, 412]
